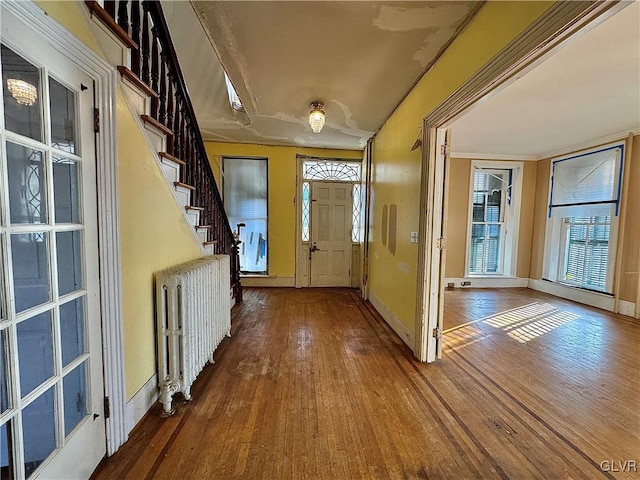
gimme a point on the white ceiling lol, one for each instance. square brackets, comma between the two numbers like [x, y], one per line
[359, 58]
[588, 91]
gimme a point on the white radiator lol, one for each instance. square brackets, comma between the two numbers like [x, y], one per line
[193, 313]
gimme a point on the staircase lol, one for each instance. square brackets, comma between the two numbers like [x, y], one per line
[158, 94]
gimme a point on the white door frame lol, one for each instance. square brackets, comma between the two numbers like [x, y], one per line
[105, 77]
[549, 33]
[302, 263]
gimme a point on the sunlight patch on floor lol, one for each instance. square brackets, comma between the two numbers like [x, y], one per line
[531, 321]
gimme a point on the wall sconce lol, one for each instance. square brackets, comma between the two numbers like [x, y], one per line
[316, 116]
[23, 92]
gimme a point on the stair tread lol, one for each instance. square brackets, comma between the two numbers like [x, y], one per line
[155, 123]
[133, 78]
[168, 156]
[184, 185]
[96, 9]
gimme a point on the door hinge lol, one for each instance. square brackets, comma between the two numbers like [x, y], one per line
[107, 407]
[437, 333]
[441, 243]
[96, 120]
[443, 149]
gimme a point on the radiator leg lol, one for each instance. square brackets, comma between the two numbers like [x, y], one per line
[187, 394]
[229, 333]
[211, 360]
[167, 391]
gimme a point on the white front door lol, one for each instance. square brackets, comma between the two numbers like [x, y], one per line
[331, 217]
[52, 422]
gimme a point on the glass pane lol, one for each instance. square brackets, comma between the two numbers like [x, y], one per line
[4, 394]
[72, 330]
[65, 190]
[75, 398]
[245, 201]
[6, 462]
[21, 85]
[27, 184]
[357, 204]
[30, 259]
[69, 254]
[35, 351]
[63, 117]
[336, 171]
[39, 431]
[305, 211]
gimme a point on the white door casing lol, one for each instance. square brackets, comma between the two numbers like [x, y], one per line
[331, 218]
[66, 399]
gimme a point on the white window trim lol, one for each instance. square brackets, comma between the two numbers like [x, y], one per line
[553, 252]
[512, 219]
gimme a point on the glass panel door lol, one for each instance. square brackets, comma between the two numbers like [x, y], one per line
[50, 360]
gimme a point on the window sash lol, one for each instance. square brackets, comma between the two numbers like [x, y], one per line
[587, 184]
[586, 252]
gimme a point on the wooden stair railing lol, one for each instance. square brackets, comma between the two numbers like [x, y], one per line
[155, 65]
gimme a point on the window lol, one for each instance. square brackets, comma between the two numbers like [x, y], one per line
[328, 171]
[245, 201]
[586, 251]
[493, 218]
[582, 218]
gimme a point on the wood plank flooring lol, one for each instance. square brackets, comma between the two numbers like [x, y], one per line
[313, 384]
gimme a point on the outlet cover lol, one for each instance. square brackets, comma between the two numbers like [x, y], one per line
[414, 237]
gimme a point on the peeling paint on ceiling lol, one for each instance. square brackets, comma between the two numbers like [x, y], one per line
[359, 58]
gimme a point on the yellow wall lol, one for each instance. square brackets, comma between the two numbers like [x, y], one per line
[458, 217]
[540, 214]
[282, 191]
[154, 236]
[154, 233]
[396, 170]
[631, 242]
[72, 16]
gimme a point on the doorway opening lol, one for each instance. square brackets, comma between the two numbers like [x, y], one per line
[528, 54]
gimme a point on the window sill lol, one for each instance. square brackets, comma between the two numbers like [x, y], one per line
[257, 275]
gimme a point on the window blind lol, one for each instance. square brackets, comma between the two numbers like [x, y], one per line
[587, 184]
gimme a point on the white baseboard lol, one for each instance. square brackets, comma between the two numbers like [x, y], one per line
[140, 403]
[267, 281]
[594, 299]
[627, 308]
[488, 282]
[394, 322]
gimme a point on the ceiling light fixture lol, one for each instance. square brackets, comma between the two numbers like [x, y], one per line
[23, 92]
[316, 116]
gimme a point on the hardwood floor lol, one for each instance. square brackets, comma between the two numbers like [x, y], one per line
[313, 384]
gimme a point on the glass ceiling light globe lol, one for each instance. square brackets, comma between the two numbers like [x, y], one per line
[23, 92]
[316, 117]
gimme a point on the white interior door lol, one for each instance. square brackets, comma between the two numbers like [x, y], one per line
[51, 374]
[331, 216]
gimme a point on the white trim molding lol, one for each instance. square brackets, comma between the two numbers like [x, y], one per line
[495, 156]
[595, 299]
[626, 308]
[398, 326]
[488, 282]
[267, 281]
[141, 402]
[105, 77]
